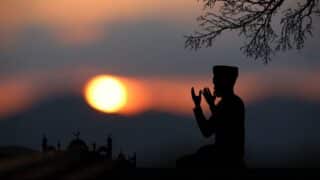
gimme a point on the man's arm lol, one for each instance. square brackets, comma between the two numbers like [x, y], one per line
[207, 127]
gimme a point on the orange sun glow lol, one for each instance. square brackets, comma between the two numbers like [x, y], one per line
[106, 94]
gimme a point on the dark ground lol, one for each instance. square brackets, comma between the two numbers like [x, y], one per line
[61, 165]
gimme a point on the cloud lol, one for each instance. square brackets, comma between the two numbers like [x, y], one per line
[81, 21]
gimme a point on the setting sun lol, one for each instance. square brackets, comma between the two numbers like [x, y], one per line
[106, 94]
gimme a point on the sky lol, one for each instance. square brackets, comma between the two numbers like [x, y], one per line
[52, 48]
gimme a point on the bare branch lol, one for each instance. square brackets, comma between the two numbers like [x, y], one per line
[252, 20]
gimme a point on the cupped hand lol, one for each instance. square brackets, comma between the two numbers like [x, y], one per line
[196, 99]
[208, 96]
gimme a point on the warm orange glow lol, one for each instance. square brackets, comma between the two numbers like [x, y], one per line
[78, 22]
[139, 96]
[106, 94]
[165, 94]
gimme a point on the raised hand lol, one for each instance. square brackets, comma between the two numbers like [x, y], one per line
[208, 96]
[196, 99]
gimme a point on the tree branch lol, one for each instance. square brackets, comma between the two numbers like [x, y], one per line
[252, 19]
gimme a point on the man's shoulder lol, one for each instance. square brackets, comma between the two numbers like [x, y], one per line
[235, 101]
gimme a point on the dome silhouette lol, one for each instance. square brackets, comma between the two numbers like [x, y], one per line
[78, 145]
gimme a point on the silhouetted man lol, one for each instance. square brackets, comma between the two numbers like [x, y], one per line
[226, 123]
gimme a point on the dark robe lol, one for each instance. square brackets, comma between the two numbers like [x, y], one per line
[227, 124]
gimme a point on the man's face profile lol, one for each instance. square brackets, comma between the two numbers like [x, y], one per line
[221, 85]
[224, 78]
[216, 87]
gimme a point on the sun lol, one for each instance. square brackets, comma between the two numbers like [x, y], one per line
[106, 93]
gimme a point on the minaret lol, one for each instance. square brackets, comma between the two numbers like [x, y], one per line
[109, 147]
[44, 143]
[134, 159]
[94, 147]
[58, 146]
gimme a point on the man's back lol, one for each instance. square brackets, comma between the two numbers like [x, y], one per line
[230, 127]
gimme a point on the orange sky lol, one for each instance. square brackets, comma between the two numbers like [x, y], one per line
[170, 94]
[76, 22]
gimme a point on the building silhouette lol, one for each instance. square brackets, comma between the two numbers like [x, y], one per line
[77, 147]
[45, 146]
[44, 143]
[77, 144]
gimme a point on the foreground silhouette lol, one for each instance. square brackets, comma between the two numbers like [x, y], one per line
[76, 161]
[226, 123]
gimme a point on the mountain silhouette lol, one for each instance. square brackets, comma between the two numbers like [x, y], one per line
[158, 138]
[283, 132]
[280, 132]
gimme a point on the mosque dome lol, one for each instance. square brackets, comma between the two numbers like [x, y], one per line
[78, 145]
